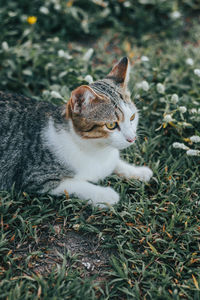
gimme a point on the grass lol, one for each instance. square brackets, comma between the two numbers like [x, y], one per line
[147, 246]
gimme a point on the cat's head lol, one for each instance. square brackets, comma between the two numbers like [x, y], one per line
[103, 110]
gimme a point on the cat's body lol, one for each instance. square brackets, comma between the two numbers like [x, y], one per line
[45, 148]
[24, 159]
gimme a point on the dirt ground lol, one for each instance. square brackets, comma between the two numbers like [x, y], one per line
[81, 251]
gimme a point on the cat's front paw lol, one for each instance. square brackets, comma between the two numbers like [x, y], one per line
[105, 196]
[143, 173]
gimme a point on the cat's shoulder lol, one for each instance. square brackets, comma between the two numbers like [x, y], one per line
[27, 107]
[12, 97]
[18, 100]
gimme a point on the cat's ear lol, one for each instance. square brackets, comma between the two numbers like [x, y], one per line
[81, 97]
[120, 72]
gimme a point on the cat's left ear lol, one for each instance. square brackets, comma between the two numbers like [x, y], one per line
[120, 72]
[82, 97]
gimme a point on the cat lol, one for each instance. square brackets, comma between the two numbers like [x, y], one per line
[53, 149]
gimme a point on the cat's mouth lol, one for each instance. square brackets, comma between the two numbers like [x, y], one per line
[131, 140]
[127, 143]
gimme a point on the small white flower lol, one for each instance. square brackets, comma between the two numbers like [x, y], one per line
[5, 46]
[48, 66]
[62, 53]
[88, 54]
[182, 109]
[143, 85]
[195, 139]
[137, 96]
[160, 88]
[180, 146]
[23, 18]
[76, 227]
[127, 4]
[45, 93]
[174, 98]
[87, 265]
[57, 6]
[197, 72]
[44, 10]
[193, 152]
[168, 118]
[189, 61]
[56, 39]
[193, 111]
[56, 95]
[198, 110]
[162, 99]
[62, 74]
[175, 15]
[144, 58]
[53, 78]
[27, 72]
[89, 79]
[26, 32]
[12, 14]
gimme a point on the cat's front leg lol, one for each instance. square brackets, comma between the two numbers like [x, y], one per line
[129, 171]
[85, 190]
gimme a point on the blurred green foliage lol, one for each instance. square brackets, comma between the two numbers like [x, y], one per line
[80, 18]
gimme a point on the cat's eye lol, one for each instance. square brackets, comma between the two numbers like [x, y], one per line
[112, 125]
[132, 117]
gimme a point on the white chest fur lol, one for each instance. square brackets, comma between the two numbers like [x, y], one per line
[89, 160]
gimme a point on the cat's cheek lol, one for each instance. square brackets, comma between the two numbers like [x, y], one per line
[118, 141]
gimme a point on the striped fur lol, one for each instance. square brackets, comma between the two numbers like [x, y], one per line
[24, 160]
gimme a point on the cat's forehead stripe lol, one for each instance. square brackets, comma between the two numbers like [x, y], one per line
[119, 114]
[109, 90]
[114, 93]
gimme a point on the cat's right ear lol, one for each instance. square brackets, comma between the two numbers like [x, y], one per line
[120, 72]
[81, 98]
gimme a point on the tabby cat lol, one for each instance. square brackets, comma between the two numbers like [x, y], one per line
[52, 149]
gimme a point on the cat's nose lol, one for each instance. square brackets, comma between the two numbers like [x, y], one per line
[131, 140]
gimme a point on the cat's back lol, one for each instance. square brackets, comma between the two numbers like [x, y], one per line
[21, 117]
[21, 122]
[23, 114]
[19, 105]
[10, 106]
[13, 111]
